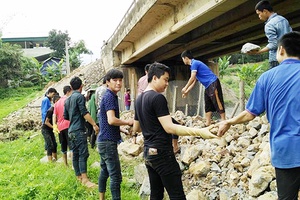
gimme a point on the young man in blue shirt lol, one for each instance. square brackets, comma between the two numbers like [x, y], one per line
[213, 95]
[275, 27]
[109, 136]
[277, 92]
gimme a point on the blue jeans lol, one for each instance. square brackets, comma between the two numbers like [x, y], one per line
[110, 167]
[79, 146]
[164, 172]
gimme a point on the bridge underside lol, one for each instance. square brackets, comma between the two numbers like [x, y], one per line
[159, 30]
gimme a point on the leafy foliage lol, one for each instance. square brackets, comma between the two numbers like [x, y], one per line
[223, 64]
[54, 72]
[57, 41]
[10, 63]
[75, 51]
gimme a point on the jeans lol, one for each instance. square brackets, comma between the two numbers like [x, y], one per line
[164, 172]
[78, 141]
[110, 167]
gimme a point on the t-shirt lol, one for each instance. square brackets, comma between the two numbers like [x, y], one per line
[142, 84]
[100, 91]
[107, 131]
[204, 73]
[62, 123]
[148, 107]
[92, 108]
[46, 104]
[49, 115]
[277, 92]
[127, 99]
[74, 111]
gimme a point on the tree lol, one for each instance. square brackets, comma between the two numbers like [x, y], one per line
[57, 42]
[10, 63]
[75, 52]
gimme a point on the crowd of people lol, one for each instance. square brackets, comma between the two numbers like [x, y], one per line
[95, 119]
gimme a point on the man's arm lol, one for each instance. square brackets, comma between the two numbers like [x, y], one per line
[184, 95]
[169, 127]
[88, 118]
[191, 82]
[113, 120]
[244, 116]
[47, 122]
[136, 127]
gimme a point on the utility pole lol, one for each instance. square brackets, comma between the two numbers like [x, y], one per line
[67, 58]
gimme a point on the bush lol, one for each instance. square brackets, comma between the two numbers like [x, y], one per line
[26, 84]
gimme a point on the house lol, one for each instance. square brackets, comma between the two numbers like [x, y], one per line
[52, 61]
[31, 46]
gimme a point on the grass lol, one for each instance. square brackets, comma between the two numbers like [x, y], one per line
[12, 99]
[23, 176]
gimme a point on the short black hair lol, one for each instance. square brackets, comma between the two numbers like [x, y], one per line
[187, 53]
[260, 6]
[75, 83]
[113, 73]
[56, 97]
[51, 90]
[147, 67]
[66, 89]
[291, 43]
[104, 80]
[157, 69]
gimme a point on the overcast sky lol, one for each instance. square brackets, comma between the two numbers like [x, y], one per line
[90, 20]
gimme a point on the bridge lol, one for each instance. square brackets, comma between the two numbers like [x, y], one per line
[159, 30]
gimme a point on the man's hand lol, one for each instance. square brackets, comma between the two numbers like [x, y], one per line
[183, 90]
[130, 122]
[96, 129]
[223, 127]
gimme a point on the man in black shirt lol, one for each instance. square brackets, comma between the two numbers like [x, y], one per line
[75, 111]
[152, 116]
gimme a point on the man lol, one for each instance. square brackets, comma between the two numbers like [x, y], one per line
[46, 102]
[109, 136]
[277, 92]
[127, 99]
[152, 116]
[275, 27]
[47, 131]
[100, 91]
[143, 81]
[60, 125]
[75, 111]
[213, 91]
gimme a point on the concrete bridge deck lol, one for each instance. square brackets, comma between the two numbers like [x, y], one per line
[159, 30]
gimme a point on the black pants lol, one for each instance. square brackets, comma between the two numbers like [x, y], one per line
[91, 134]
[288, 183]
[164, 172]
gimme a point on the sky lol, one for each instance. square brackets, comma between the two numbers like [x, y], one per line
[90, 20]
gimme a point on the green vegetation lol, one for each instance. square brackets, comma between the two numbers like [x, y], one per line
[249, 73]
[12, 99]
[23, 176]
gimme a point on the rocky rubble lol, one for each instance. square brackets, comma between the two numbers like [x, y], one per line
[236, 166]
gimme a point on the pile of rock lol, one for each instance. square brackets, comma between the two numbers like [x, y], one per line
[236, 166]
